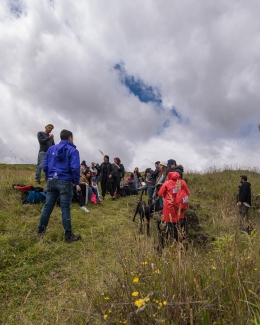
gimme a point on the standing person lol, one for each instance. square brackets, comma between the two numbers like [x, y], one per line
[135, 177]
[46, 141]
[173, 214]
[159, 181]
[105, 170]
[149, 185]
[62, 169]
[244, 203]
[118, 173]
[173, 167]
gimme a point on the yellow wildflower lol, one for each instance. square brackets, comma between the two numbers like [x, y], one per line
[135, 293]
[105, 316]
[148, 299]
[165, 303]
[107, 298]
[136, 280]
[144, 263]
[139, 302]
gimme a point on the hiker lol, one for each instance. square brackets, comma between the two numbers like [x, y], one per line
[118, 173]
[105, 169]
[149, 185]
[173, 212]
[173, 167]
[45, 140]
[159, 181]
[62, 169]
[136, 177]
[244, 203]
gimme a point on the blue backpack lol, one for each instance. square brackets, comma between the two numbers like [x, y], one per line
[31, 194]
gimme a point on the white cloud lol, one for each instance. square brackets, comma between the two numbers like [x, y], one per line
[57, 60]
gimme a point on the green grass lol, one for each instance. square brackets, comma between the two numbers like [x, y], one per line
[115, 276]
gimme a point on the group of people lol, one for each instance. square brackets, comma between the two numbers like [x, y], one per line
[64, 173]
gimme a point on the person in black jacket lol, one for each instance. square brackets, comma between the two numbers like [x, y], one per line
[118, 173]
[45, 140]
[244, 203]
[173, 167]
[105, 169]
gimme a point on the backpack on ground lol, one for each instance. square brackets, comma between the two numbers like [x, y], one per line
[31, 194]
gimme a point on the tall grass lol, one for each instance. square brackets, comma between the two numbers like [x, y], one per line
[115, 276]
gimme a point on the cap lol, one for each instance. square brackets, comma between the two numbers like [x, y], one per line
[163, 163]
[157, 162]
[171, 162]
[49, 125]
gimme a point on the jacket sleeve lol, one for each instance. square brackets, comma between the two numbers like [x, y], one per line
[41, 139]
[163, 190]
[122, 170]
[75, 166]
[185, 187]
[45, 165]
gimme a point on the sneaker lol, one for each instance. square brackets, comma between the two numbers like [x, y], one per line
[84, 208]
[99, 199]
[72, 238]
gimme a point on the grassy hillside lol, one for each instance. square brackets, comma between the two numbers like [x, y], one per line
[115, 276]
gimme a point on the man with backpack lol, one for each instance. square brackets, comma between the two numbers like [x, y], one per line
[45, 141]
[175, 193]
[62, 169]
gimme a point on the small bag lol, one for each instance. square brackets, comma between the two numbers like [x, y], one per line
[93, 198]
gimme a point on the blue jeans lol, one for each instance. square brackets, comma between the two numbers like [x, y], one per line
[90, 190]
[41, 157]
[57, 188]
[143, 188]
[136, 184]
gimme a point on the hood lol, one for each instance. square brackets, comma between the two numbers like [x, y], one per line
[61, 149]
[173, 176]
[180, 167]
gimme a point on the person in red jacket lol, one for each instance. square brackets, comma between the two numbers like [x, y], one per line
[173, 211]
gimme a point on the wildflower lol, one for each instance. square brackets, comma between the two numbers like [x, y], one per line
[160, 305]
[165, 303]
[139, 302]
[105, 316]
[136, 280]
[156, 271]
[148, 299]
[213, 267]
[144, 263]
[106, 298]
[135, 293]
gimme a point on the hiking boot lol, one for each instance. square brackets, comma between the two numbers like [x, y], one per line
[38, 181]
[84, 208]
[72, 238]
[40, 234]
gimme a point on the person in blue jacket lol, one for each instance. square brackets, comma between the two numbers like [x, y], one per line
[62, 169]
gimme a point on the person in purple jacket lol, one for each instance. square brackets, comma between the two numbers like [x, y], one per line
[62, 169]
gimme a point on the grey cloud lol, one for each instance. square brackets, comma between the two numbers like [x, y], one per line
[57, 66]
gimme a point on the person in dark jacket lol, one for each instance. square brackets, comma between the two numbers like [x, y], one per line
[45, 140]
[173, 167]
[118, 173]
[244, 203]
[104, 170]
[62, 169]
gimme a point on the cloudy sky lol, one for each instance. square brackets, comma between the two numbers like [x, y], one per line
[141, 80]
